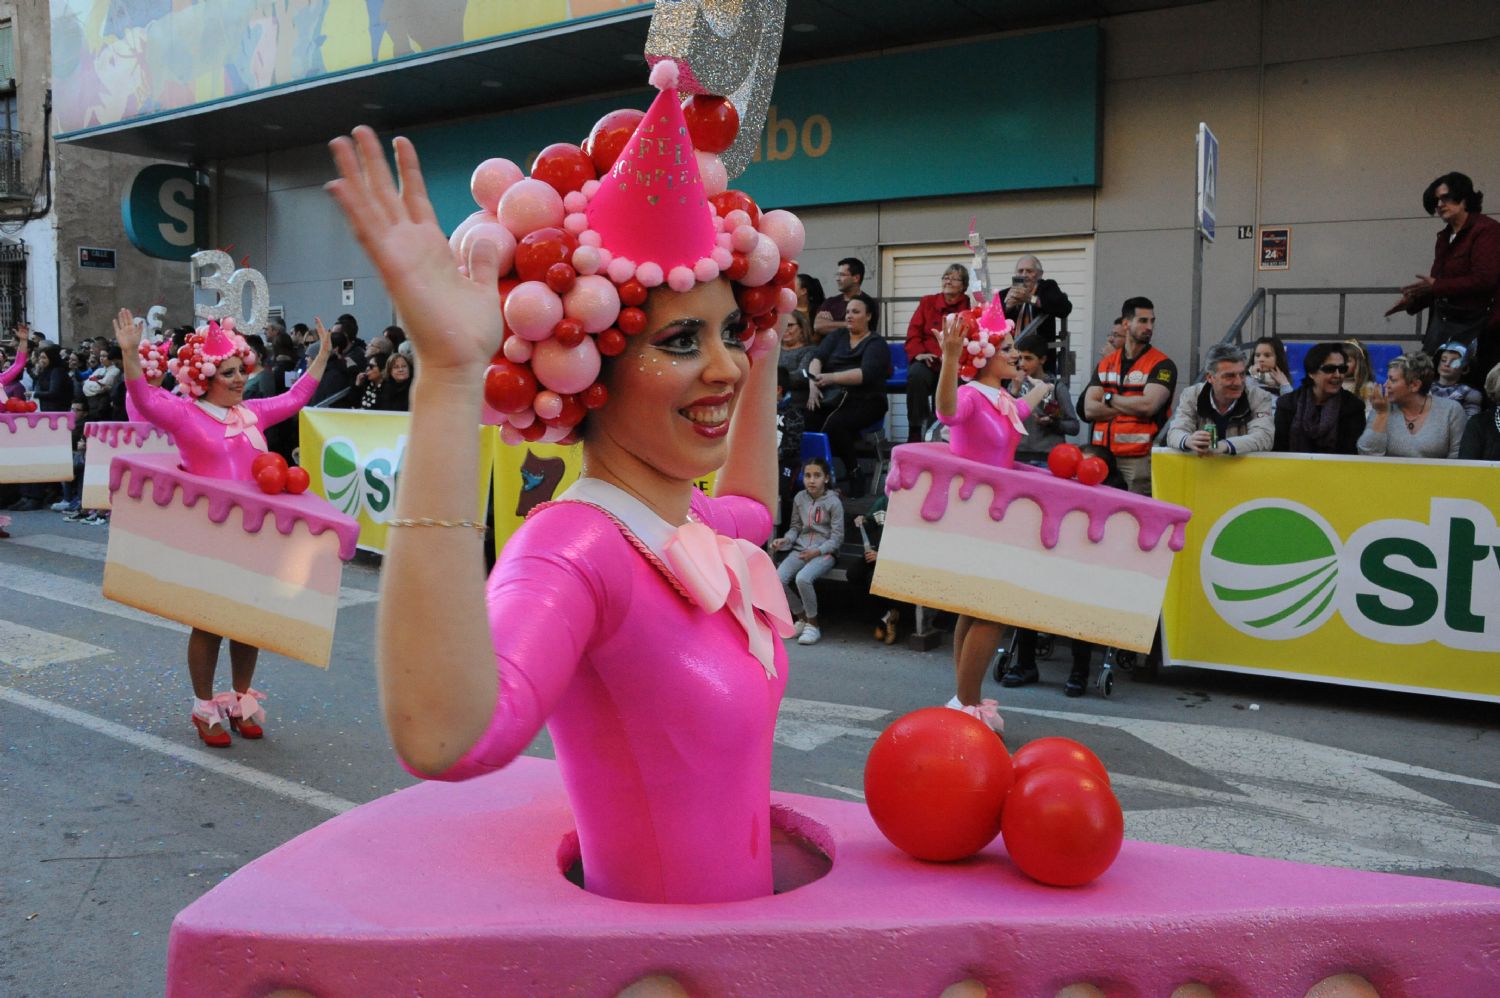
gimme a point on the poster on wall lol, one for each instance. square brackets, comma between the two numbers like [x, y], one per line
[1276, 249]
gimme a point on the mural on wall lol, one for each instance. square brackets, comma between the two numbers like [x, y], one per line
[114, 60]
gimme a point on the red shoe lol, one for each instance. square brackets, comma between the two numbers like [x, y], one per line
[245, 712]
[206, 717]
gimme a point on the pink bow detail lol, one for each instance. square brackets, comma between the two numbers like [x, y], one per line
[241, 420]
[245, 706]
[1010, 411]
[987, 711]
[720, 571]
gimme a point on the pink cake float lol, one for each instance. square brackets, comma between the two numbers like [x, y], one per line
[196, 550]
[1024, 547]
[459, 889]
[36, 447]
[106, 441]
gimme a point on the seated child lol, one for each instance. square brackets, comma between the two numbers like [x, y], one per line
[812, 540]
[1452, 359]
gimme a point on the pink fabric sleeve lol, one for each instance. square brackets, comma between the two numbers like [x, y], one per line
[547, 597]
[160, 408]
[963, 412]
[734, 516]
[12, 374]
[270, 411]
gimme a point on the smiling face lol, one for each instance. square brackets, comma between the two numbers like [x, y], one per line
[1005, 365]
[858, 317]
[673, 389]
[227, 387]
[400, 369]
[1328, 378]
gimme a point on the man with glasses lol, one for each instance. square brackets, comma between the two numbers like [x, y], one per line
[850, 280]
[1225, 414]
[1321, 416]
[922, 348]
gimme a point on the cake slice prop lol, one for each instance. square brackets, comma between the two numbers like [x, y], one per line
[36, 447]
[223, 556]
[106, 441]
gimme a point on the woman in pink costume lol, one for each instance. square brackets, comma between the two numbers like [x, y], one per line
[11, 376]
[219, 436]
[636, 617]
[985, 425]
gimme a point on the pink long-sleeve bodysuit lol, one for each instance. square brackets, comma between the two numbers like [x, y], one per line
[979, 431]
[203, 440]
[661, 718]
[12, 374]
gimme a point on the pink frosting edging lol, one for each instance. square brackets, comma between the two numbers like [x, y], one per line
[11, 419]
[116, 434]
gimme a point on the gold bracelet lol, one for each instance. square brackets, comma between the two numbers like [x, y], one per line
[423, 521]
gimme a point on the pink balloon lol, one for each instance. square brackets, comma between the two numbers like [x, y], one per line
[521, 420]
[497, 235]
[786, 300]
[511, 436]
[586, 260]
[548, 405]
[743, 239]
[518, 349]
[764, 259]
[554, 434]
[785, 229]
[715, 177]
[681, 279]
[532, 309]
[565, 370]
[456, 241]
[529, 205]
[594, 302]
[491, 180]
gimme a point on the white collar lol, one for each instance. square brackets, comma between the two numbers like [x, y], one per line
[216, 411]
[636, 516]
[993, 394]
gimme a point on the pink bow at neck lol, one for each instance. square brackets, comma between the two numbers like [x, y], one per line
[241, 420]
[1010, 410]
[720, 571]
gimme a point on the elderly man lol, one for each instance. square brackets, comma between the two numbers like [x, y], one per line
[1031, 296]
[1225, 414]
[923, 350]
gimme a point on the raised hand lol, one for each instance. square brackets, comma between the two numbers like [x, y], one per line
[454, 321]
[127, 333]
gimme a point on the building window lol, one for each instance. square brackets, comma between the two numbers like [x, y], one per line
[12, 283]
[7, 57]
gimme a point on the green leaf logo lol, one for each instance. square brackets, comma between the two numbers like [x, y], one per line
[341, 475]
[1270, 569]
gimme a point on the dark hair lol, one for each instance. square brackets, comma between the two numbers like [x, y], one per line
[1033, 344]
[856, 266]
[1134, 305]
[1459, 186]
[349, 324]
[395, 334]
[53, 353]
[1278, 348]
[818, 462]
[282, 345]
[1319, 354]
[872, 306]
[814, 289]
[180, 335]
[113, 352]
[300, 329]
[783, 379]
[338, 340]
[258, 344]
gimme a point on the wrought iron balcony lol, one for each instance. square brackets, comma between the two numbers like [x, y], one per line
[14, 184]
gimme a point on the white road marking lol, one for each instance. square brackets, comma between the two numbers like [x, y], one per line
[806, 724]
[27, 648]
[201, 757]
[847, 791]
[78, 593]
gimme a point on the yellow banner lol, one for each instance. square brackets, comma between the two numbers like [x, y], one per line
[1379, 572]
[353, 458]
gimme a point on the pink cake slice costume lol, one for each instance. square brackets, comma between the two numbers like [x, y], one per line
[661, 716]
[36, 447]
[986, 425]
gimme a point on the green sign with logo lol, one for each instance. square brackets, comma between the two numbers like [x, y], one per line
[165, 211]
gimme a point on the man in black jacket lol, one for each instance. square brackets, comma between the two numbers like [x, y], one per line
[1032, 296]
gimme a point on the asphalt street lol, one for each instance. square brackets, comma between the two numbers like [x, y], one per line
[114, 817]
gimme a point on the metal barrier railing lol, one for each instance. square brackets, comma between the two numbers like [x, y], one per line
[1263, 306]
[1063, 345]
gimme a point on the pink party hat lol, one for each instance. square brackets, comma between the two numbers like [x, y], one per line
[651, 207]
[993, 319]
[217, 345]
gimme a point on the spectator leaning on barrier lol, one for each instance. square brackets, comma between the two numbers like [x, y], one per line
[1130, 395]
[1036, 297]
[1433, 426]
[1481, 439]
[1451, 362]
[923, 350]
[1322, 416]
[1224, 414]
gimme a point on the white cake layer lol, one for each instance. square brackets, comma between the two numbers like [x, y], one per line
[21, 463]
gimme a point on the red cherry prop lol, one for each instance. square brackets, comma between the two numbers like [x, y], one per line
[270, 459]
[509, 387]
[297, 481]
[1063, 460]
[569, 332]
[631, 321]
[712, 122]
[608, 137]
[1092, 470]
[1044, 752]
[540, 249]
[560, 277]
[14, 405]
[633, 293]
[32, 406]
[1062, 825]
[271, 479]
[738, 267]
[611, 342]
[565, 166]
[755, 301]
[727, 201]
[595, 395]
[935, 783]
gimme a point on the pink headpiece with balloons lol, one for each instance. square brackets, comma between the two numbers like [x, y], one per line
[198, 359]
[984, 331]
[582, 241]
[155, 357]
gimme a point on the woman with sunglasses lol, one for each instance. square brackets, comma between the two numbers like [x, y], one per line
[1321, 417]
[369, 381]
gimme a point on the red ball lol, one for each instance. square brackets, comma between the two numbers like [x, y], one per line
[14, 405]
[571, 415]
[533, 431]
[271, 479]
[936, 782]
[32, 406]
[968, 371]
[1063, 460]
[594, 396]
[727, 201]
[611, 342]
[569, 332]
[539, 250]
[1092, 470]
[632, 293]
[563, 165]
[631, 321]
[297, 481]
[270, 459]
[786, 273]
[738, 267]
[1062, 826]
[509, 387]
[608, 137]
[764, 320]
[560, 277]
[712, 122]
[755, 301]
[1044, 752]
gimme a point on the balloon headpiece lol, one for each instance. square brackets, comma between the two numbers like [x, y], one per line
[582, 241]
[984, 331]
[198, 359]
[155, 357]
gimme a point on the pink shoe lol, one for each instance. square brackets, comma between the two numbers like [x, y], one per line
[987, 711]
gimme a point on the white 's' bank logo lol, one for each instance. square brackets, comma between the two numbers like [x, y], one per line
[1275, 570]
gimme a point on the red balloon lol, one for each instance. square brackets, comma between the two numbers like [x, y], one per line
[14, 405]
[595, 395]
[728, 201]
[755, 301]
[611, 342]
[533, 431]
[786, 273]
[935, 783]
[764, 320]
[270, 459]
[540, 249]
[509, 387]
[1043, 752]
[712, 122]
[571, 415]
[631, 321]
[271, 479]
[633, 293]
[608, 137]
[560, 277]
[738, 267]
[32, 406]
[563, 165]
[1092, 470]
[1063, 460]
[569, 332]
[1062, 825]
[297, 481]
[968, 371]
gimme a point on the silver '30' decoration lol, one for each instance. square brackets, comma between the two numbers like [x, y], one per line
[724, 47]
[214, 271]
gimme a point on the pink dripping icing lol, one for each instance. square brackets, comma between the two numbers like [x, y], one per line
[12, 419]
[1056, 497]
[225, 494]
[116, 434]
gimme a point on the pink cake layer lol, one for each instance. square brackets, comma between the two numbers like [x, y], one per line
[105, 441]
[115, 435]
[12, 420]
[224, 495]
[455, 889]
[36, 447]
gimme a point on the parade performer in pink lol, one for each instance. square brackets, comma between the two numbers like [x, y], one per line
[156, 359]
[219, 436]
[637, 618]
[985, 425]
[11, 376]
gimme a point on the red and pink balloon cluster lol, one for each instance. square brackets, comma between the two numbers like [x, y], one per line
[940, 786]
[985, 328]
[155, 358]
[199, 357]
[568, 301]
